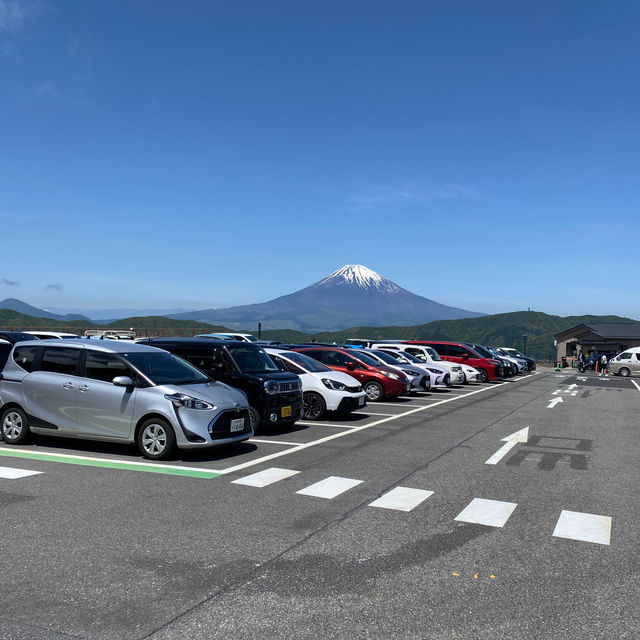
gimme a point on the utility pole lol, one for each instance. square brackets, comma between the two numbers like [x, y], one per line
[524, 344]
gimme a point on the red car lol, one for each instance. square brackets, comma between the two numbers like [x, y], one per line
[461, 353]
[378, 381]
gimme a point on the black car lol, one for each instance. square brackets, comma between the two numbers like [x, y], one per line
[509, 368]
[591, 361]
[7, 340]
[275, 396]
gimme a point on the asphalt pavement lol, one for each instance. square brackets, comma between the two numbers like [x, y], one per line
[505, 510]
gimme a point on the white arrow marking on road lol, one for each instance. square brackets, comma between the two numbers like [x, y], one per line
[557, 392]
[572, 386]
[554, 402]
[512, 441]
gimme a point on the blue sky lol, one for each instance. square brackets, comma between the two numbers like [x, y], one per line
[205, 154]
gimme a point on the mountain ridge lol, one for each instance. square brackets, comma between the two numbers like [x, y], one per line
[352, 295]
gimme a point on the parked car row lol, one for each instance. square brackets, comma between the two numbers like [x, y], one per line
[214, 389]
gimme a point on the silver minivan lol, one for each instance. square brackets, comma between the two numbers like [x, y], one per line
[625, 363]
[117, 392]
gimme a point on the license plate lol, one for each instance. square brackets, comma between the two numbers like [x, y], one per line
[285, 412]
[361, 402]
[237, 425]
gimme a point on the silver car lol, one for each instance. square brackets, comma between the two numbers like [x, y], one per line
[117, 392]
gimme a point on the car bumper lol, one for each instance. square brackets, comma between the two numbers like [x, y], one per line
[351, 403]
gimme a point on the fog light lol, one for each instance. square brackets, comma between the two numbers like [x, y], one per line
[273, 417]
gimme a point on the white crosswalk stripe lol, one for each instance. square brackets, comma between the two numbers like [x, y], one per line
[492, 513]
[266, 477]
[13, 474]
[585, 527]
[330, 487]
[401, 499]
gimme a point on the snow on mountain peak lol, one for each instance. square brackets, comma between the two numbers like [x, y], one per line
[357, 274]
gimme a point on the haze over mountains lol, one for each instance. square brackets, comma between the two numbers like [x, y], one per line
[351, 296]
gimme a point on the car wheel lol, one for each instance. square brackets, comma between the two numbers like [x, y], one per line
[624, 372]
[156, 439]
[15, 426]
[255, 419]
[484, 376]
[374, 391]
[313, 406]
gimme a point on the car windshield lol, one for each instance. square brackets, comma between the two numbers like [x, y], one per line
[252, 359]
[515, 352]
[383, 355]
[307, 363]
[433, 353]
[411, 358]
[165, 368]
[480, 350]
[365, 359]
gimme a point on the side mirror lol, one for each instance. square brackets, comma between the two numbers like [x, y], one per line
[351, 366]
[122, 381]
[465, 356]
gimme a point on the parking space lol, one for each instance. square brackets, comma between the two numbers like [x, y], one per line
[397, 498]
[268, 444]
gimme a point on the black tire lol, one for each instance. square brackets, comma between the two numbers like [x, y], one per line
[156, 439]
[256, 420]
[484, 376]
[374, 391]
[14, 425]
[313, 406]
[624, 372]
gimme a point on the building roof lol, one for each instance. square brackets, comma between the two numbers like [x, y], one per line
[606, 330]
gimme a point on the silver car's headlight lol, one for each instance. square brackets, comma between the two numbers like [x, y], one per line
[333, 384]
[411, 374]
[189, 402]
[434, 371]
[271, 387]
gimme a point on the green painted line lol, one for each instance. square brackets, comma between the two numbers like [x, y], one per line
[124, 466]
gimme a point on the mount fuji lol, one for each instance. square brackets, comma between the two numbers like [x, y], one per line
[351, 296]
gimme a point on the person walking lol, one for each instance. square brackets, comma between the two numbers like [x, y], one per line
[580, 362]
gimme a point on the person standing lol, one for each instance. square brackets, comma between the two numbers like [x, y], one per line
[580, 362]
[603, 364]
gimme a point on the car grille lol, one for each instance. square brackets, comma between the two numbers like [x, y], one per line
[285, 387]
[354, 389]
[221, 427]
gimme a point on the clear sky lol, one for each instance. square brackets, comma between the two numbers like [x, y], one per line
[196, 154]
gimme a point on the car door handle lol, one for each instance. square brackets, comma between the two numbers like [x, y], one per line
[67, 385]
[83, 388]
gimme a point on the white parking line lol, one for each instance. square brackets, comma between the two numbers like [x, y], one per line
[636, 385]
[259, 440]
[8, 473]
[401, 499]
[330, 487]
[492, 513]
[266, 477]
[585, 527]
[324, 424]
[347, 432]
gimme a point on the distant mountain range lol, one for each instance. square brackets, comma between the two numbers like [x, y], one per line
[22, 307]
[351, 296]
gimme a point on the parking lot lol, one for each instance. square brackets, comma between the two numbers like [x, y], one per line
[503, 510]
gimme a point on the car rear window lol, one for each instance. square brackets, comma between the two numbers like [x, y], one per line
[24, 357]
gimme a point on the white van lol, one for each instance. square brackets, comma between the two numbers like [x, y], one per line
[427, 355]
[625, 363]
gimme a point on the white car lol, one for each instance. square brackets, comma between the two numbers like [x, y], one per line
[323, 389]
[53, 335]
[471, 374]
[241, 337]
[440, 377]
[427, 355]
